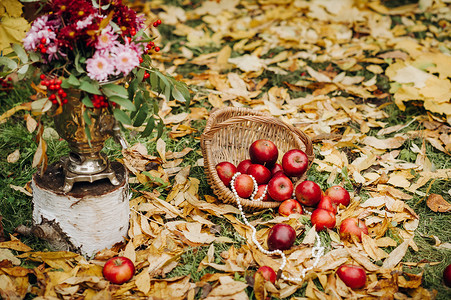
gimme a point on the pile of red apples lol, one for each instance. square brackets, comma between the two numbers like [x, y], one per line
[275, 183]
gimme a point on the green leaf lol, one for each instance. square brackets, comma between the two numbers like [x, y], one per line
[90, 87]
[20, 52]
[124, 102]
[178, 95]
[140, 75]
[154, 82]
[112, 89]
[156, 179]
[162, 77]
[87, 118]
[160, 128]
[167, 93]
[41, 106]
[132, 87]
[155, 107]
[121, 116]
[72, 80]
[138, 101]
[23, 70]
[78, 67]
[142, 115]
[87, 101]
[35, 57]
[149, 127]
[8, 62]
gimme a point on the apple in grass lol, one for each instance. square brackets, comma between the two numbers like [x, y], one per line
[118, 270]
[244, 185]
[295, 163]
[290, 206]
[338, 194]
[268, 273]
[327, 204]
[447, 276]
[280, 188]
[323, 219]
[281, 237]
[261, 173]
[352, 275]
[225, 171]
[263, 152]
[308, 193]
[243, 166]
[352, 226]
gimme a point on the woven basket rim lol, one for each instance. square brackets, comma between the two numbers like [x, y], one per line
[245, 115]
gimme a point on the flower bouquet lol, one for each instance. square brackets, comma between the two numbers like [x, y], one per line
[93, 60]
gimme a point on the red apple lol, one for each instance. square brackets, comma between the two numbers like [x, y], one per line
[281, 237]
[226, 171]
[352, 226]
[447, 276]
[339, 195]
[260, 191]
[295, 163]
[280, 188]
[118, 269]
[290, 206]
[353, 276]
[279, 173]
[276, 168]
[308, 193]
[244, 185]
[243, 165]
[263, 152]
[327, 204]
[261, 173]
[323, 219]
[268, 273]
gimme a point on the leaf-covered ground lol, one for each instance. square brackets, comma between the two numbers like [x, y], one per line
[368, 81]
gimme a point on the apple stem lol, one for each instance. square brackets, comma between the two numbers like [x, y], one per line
[317, 250]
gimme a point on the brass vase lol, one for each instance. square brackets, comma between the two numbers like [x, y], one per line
[85, 161]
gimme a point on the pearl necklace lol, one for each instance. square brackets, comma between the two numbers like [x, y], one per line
[317, 250]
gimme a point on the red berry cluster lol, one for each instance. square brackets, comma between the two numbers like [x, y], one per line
[41, 47]
[146, 75]
[100, 101]
[151, 45]
[56, 93]
[157, 23]
[6, 83]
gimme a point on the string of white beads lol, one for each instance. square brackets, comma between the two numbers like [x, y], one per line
[317, 250]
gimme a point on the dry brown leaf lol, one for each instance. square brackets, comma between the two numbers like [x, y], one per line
[13, 157]
[15, 244]
[259, 286]
[437, 203]
[372, 249]
[229, 289]
[390, 143]
[396, 255]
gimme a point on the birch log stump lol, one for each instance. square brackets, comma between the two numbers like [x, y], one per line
[89, 218]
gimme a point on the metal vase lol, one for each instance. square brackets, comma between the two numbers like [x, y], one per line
[86, 139]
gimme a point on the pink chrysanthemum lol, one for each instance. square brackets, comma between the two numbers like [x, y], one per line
[41, 28]
[107, 39]
[100, 66]
[125, 59]
[82, 24]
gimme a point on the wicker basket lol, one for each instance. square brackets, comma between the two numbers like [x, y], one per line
[229, 133]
